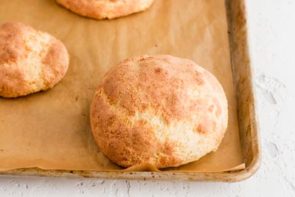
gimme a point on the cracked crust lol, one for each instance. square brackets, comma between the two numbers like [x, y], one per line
[30, 60]
[105, 9]
[160, 111]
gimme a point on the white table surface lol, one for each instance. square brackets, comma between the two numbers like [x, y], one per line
[272, 47]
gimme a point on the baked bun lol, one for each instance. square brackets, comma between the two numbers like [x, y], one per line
[30, 60]
[105, 9]
[160, 111]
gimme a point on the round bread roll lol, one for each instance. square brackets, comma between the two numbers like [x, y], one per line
[30, 60]
[105, 9]
[160, 111]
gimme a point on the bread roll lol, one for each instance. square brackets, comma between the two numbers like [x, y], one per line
[159, 110]
[30, 60]
[105, 9]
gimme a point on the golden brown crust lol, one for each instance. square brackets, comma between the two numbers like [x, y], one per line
[158, 110]
[101, 9]
[30, 60]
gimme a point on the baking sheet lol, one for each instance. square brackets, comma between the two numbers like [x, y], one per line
[50, 130]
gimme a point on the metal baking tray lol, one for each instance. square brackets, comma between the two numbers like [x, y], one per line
[248, 128]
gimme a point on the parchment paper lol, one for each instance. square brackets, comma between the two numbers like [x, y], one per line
[50, 130]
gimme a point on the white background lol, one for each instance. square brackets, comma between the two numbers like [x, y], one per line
[272, 47]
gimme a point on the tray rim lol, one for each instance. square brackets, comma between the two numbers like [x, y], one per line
[230, 176]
